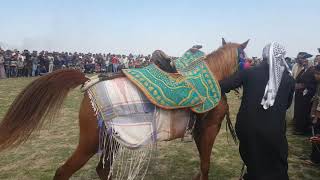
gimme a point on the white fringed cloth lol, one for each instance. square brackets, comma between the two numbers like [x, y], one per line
[131, 125]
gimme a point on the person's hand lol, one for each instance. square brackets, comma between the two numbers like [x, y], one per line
[314, 120]
[315, 139]
[317, 114]
[299, 86]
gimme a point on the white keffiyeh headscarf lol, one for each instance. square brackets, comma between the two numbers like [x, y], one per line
[275, 54]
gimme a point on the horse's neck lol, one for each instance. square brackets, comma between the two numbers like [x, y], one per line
[221, 71]
[217, 73]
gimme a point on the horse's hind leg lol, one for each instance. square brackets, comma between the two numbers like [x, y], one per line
[205, 135]
[88, 143]
[74, 163]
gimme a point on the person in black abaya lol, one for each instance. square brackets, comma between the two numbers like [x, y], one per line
[315, 116]
[261, 127]
[305, 89]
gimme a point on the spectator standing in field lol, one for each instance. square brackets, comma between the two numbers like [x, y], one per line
[50, 59]
[56, 62]
[35, 61]
[28, 63]
[103, 63]
[20, 65]
[2, 70]
[297, 67]
[317, 60]
[130, 64]
[125, 62]
[109, 63]
[120, 62]
[7, 61]
[41, 59]
[115, 63]
[315, 117]
[305, 89]
[13, 64]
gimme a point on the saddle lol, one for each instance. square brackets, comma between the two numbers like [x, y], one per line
[163, 61]
[191, 86]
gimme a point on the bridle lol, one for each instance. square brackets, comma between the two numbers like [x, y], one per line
[241, 58]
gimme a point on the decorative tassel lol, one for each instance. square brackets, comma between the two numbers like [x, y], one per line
[124, 163]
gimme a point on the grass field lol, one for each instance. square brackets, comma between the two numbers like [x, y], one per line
[176, 160]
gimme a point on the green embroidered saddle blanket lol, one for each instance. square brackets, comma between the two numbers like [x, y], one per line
[194, 86]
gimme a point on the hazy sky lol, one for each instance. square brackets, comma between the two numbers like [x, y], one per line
[141, 26]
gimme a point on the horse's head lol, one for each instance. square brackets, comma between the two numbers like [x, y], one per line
[241, 54]
[227, 59]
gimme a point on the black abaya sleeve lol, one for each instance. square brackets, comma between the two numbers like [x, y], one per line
[291, 92]
[310, 83]
[233, 82]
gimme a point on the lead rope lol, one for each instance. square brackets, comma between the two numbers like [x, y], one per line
[242, 171]
[233, 133]
[234, 136]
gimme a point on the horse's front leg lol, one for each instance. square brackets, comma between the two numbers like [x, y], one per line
[205, 144]
[205, 136]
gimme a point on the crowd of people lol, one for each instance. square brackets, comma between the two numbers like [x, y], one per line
[14, 63]
[306, 72]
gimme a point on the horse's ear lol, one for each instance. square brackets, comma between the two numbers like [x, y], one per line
[244, 45]
[223, 42]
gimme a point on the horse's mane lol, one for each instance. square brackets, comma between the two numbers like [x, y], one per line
[222, 62]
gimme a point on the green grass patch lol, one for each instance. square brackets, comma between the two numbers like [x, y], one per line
[39, 157]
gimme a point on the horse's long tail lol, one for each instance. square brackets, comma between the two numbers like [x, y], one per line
[40, 100]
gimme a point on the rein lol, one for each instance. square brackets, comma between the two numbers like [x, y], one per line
[241, 58]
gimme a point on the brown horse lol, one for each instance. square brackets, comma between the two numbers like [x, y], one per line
[43, 98]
